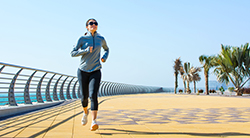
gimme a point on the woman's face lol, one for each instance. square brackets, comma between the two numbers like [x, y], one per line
[93, 27]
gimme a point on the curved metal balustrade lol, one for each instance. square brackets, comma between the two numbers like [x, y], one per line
[24, 85]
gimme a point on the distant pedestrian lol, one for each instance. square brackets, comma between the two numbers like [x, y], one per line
[88, 48]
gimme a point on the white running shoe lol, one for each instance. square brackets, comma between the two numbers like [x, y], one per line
[85, 118]
[94, 126]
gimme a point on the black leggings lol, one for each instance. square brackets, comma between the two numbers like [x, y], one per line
[89, 85]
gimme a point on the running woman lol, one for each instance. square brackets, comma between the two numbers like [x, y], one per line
[88, 48]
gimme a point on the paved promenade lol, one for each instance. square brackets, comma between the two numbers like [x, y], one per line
[139, 116]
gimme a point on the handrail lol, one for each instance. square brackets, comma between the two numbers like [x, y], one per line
[17, 86]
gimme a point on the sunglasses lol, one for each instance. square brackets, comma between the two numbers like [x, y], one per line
[91, 23]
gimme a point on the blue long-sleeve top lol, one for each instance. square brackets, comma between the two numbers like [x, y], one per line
[90, 61]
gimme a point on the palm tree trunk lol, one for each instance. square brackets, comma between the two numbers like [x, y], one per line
[184, 83]
[239, 91]
[176, 82]
[206, 83]
[188, 90]
[194, 87]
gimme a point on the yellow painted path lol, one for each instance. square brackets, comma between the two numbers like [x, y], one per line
[139, 116]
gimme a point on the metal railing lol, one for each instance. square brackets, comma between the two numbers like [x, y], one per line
[25, 85]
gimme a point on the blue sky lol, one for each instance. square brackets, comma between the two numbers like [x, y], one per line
[144, 36]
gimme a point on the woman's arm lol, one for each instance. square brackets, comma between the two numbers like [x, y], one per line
[77, 51]
[106, 51]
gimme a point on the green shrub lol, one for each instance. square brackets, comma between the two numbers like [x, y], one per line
[212, 91]
[231, 89]
[221, 89]
[200, 91]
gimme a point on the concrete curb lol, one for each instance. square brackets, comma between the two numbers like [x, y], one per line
[21, 109]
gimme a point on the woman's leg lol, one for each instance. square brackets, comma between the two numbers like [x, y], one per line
[94, 114]
[94, 85]
[84, 87]
[84, 84]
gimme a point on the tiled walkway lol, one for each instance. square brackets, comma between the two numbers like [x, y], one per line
[139, 116]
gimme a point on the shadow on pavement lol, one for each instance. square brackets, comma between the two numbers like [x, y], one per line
[171, 133]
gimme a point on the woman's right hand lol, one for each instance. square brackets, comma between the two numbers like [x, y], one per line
[91, 49]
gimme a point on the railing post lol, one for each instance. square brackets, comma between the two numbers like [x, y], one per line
[26, 94]
[104, 83]
[126, 89]
[39, 97]
[110, 88]
[106, 91]
[100, 89]
[114, 89]
[61, 90]
[11, 96]
[123, 88]
[119, 88]
[2, 68]
[47, 93]
[74, 90]
[55, 97]
[68, 88]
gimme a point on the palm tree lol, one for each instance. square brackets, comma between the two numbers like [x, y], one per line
[233, 63]
[195, 76]
[177, 66]
[187, 69]
[207, 63]
[183, 76]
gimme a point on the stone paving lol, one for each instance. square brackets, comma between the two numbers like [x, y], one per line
[157, 115]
